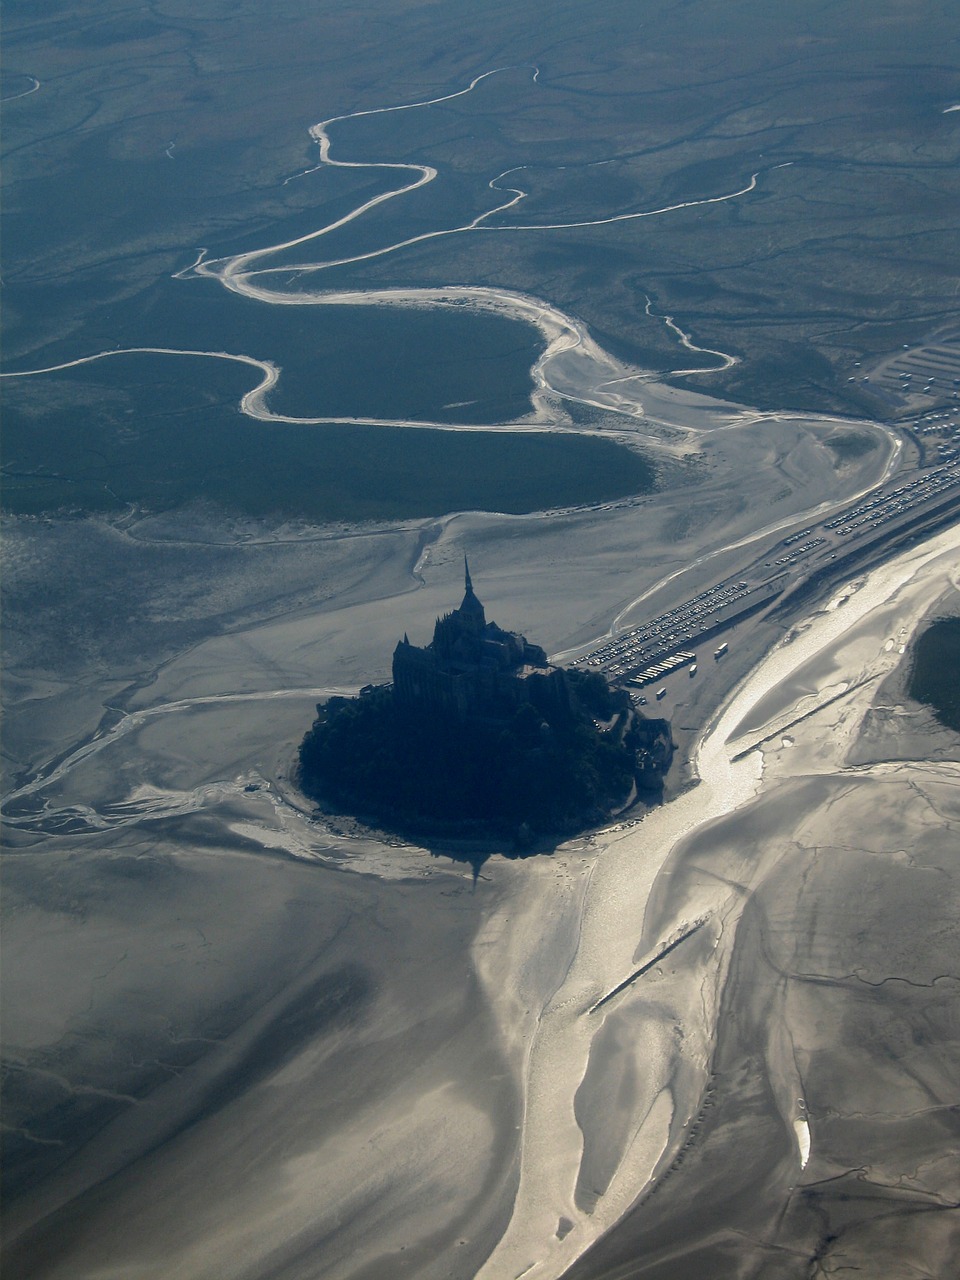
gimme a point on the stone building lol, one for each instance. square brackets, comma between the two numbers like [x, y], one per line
[473, 668]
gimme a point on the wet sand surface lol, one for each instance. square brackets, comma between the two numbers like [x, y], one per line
[242, 1043]
[825, 1135]
[275, 1053]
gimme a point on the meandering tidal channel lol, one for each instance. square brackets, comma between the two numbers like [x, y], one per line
[607, 1052]
[571, 367]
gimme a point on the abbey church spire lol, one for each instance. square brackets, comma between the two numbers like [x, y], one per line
[470, 606]
[474, 667]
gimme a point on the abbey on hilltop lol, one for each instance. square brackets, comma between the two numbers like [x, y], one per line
[480, 737]
[473, 667]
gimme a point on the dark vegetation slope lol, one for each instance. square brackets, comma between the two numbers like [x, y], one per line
[521, 777]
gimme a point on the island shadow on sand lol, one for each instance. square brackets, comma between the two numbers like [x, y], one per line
[481, 744]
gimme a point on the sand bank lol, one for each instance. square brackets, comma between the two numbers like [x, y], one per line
[639, 895]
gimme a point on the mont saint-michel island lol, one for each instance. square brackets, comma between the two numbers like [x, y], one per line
[479, 736]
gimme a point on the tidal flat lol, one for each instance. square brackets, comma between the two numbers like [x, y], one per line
[591, 296]
[192, 914]
[81, 446]
[250, 1008]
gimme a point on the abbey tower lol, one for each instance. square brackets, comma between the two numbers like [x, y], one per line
[472, 667]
